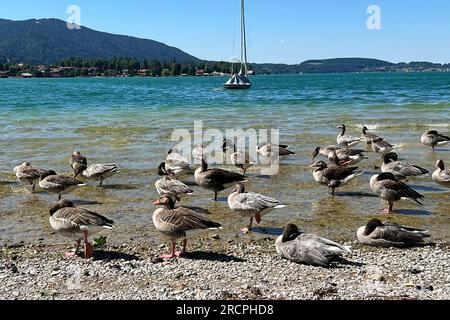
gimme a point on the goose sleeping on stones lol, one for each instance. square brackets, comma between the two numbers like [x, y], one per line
[28, 174]
[308, 249]
[169, 186]
[251, 205]
[179, 223]
[434, 139]
[216, 179]
[388, 188]
[401, 170]
[98, 172]
[334, 176]
[58, 184]
[77, 223]
[390, 234]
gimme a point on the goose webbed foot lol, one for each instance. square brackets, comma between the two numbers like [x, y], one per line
[70, 254]
[245, 230]
[171, 255]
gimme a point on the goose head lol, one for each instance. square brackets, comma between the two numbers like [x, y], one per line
[290, 232]
[60, 205]
[440, 165]
[319, 165]
[47, 174]
[372, 225]
[165, 201]
[390, 157]
[342, 127]
[364, 130]
[162, 171]
[239, 188]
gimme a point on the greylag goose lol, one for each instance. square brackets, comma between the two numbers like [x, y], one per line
[346, 140]
[389, 234]
[344, 155]
[367, 137]
[269, 150]
[77, 223]
[401, 170]
[433, 139]
[52, 182]
[28, 174]
[216, 179]
[441, 175]
[388, 188]
[334, 176]
[169, 186]
[308, 249]
[177, 163]
[381, 146]
[98, 171]
[242, 160]
[251, 205]
[176, 223]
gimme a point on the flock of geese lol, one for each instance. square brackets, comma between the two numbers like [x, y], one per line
[177, 223]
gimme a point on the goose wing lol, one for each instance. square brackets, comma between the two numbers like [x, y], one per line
[183, 219]
[81, 217]
[99, 169]
[223, 176]
[167, 185]
[29, 172]
[442, 138]
[396, 233]
[254, 201]
[399, 190]
[338, 173]
[176, 161]
[63, 181]
[406, 169]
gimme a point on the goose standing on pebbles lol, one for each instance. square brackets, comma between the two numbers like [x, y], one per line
[388, 188]
[334, 176]
[175, 224]
[77, 223]
[441, 176]
[367, 137]
[433, 139]
[389, 234]
[346, 140]
[98, 172]
[58, 184]
[268, 150]
[251, 205]
[401, 170]
[169, 186]
[28, 174]
[381, 146]
[216, 179]
[178, 164]
[308, 249]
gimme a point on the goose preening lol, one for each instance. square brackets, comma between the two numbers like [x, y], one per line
[381, 146]
[389, 234]
[77, 223]
[176, 224]
[98, 171]
[28, 174]
[216, 179]
[433, 139]
[441, 175]
[170, 186]
[345, 156]
[334, 176]
[268, 150]
[368, 137]
[178, 164]
[251, 205]
[308, 249]
[388, 188]
[58, 184]
[346, 140]
[401, 170]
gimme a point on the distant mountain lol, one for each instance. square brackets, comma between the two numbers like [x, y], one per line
[46, 41]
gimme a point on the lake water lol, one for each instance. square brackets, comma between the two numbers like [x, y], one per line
[130, 121]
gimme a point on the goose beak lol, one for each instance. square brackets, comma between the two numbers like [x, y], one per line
[157, 203]
[312, 165]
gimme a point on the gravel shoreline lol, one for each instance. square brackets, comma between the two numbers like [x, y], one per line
[222, 270]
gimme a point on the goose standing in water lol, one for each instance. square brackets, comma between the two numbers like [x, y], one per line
[433, 139]
[401, 170]
[344, 156]
[381, 146]
[58, 184]
[389, 234]
[251, 205]
[367, 137]
[178, 164]
[308, 249]
[98, 172]
[388, 188]
[239, 159]
[175, 224]
[28, 174]
[169, 186]
[268, 150]
[346, 140]
[334, 176]
[441, 176]
[216, 179]
[77, 223]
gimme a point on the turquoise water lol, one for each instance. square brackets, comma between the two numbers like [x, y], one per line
[130, 121]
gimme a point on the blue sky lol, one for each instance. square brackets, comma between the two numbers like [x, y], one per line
[284, 31]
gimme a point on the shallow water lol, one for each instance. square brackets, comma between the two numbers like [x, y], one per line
[130, 122]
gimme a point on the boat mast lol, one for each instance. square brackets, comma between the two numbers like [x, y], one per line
[243, 41]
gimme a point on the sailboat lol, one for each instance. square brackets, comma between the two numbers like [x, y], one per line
[241, 80]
